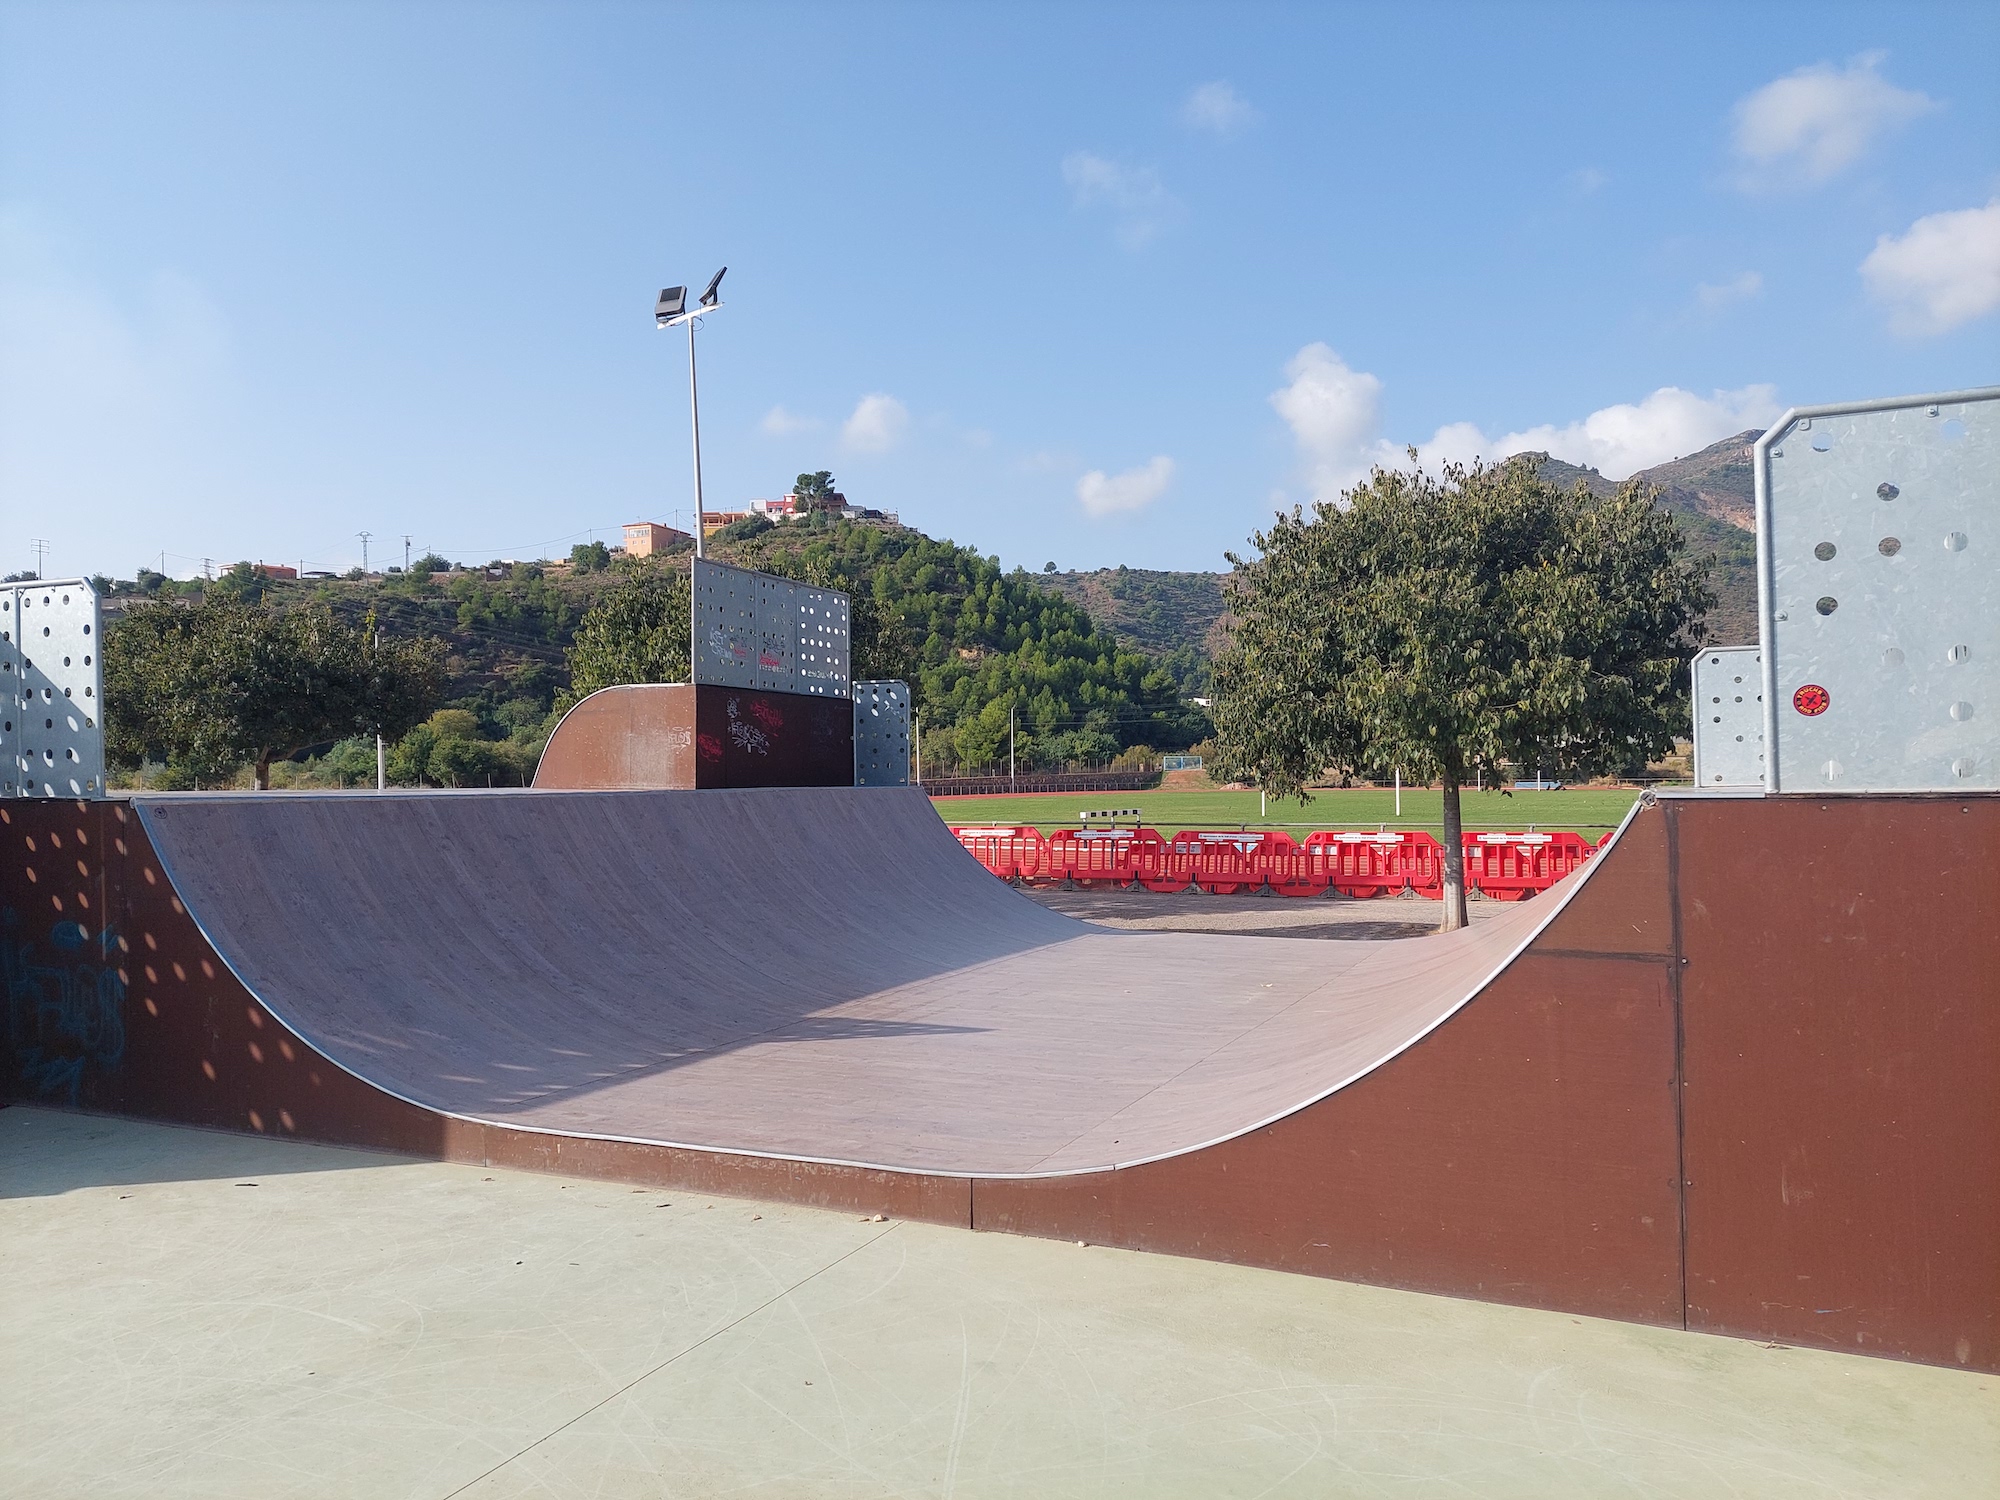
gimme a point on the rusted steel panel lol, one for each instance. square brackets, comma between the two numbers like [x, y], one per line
[1524, 1152]
[637, 738]
[1842, 1016]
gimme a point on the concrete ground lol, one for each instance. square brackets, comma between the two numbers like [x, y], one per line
[196, 1314]
[1255, 916]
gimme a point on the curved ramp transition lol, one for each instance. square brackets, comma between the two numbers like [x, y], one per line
[817, 995]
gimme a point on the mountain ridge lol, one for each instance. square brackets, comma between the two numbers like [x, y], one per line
[1179, 617]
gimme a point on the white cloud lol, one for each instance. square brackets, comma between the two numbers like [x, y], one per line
[1219, 108]
[1335, 416]
[1135, 196]
[1820, 119]
[781, 423]
[1586, 180]
[877, 424]
[1619, 440]
[1714, 296]
[1941, 272]
[1107, 494]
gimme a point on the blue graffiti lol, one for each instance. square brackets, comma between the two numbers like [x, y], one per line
[63, 1017]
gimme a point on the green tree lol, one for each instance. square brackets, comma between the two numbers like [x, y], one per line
[208, 686]
[429, 563]
[589, 557]
[1441, 625]
[636, 632]
[965, 634]
[240, 581]
[814, 491]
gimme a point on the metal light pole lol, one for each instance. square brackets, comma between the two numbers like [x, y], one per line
[669, 311]
[381, 755]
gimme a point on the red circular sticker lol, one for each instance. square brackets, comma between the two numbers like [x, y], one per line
[1811, 700]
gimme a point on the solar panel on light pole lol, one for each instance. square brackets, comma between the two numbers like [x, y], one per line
[669, 311]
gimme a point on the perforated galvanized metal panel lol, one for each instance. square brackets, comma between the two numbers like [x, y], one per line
[881, 734]
[1879, 587]
[51, 690]
[753, 630]
[1729, 717]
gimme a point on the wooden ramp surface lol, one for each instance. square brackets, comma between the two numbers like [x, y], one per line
[811, 973]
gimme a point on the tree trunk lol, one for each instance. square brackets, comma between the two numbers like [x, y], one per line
[1454, 915]
[260, 777]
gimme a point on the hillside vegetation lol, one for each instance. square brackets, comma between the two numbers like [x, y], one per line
[972, 639]
[1176, 618]
[1094, 663]
[1712, 497]
[980, 639]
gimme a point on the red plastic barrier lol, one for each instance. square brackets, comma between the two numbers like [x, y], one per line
[1371, 865]
[1499, 866]
[1010, 853]
[1097, 856]
[1221, 863]
[1510, 866]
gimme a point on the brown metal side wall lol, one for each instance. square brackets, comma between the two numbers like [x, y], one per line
[638, 738]
[1526, 1151]
[1842, 1015]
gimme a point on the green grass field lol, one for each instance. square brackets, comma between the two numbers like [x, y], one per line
[1589, 810]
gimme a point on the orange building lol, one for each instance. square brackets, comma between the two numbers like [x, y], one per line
[644, 538]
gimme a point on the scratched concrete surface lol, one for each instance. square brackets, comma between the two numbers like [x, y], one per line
[355, 1325]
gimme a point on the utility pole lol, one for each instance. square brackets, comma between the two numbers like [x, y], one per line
[41, 546]
[1010, 747]
[917, 747]
[364, 535]
[406, 554]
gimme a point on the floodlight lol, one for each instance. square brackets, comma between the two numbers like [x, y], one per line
[709, 297]
[672, 303]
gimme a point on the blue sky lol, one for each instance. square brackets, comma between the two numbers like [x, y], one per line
[1090, 284]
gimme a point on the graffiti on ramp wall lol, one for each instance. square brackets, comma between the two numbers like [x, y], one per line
[65, 1017]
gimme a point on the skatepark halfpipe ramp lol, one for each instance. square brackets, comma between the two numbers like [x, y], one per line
[1731, 1076]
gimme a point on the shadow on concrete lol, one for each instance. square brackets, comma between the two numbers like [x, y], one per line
[46, 1152]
